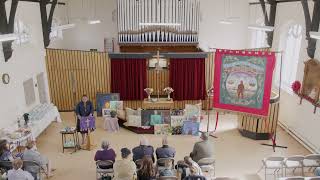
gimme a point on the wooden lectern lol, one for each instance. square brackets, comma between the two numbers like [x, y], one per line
[87, 124]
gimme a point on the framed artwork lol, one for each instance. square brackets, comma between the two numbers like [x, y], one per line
[116, 105]
[311, 80]
[103, 101]
[177, 121]
[152, 117]
[193, 111]
[242, 81]
[106, 112]
[190, 128]
[162, 129]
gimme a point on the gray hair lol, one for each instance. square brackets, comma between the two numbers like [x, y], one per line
[105, 144]
[204, 136]
[144, 141]
[165, 140]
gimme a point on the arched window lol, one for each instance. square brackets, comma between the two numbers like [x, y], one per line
[290, 44]
[23, 32]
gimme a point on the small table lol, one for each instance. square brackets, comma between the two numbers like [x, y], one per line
[162, 103]
[75, 140]
[111, 124]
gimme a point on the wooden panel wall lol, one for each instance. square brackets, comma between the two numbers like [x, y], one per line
[91, 71]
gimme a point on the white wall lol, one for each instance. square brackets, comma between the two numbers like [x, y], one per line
[298, 118]
[27, 61]
[212, 33]
[85, 36]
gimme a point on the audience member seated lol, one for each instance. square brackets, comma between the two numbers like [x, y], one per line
[194, 175]
[124, 169]
[165, 151]
[202, 149]
[167, 171]
[105, 154]
[147, 170]
[5, 154]
[31, 154]
[317, 172]
[17, 173]
[185, 165]
[143, 150]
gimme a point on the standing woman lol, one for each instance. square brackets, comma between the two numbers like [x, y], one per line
[84, 108]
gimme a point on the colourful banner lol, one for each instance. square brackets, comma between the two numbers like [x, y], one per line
[242, 81]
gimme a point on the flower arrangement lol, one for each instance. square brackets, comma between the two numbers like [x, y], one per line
[296, 87]
[149, 91]
[168, 91]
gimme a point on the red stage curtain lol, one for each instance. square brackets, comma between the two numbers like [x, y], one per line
[129, 78]
[187, 78]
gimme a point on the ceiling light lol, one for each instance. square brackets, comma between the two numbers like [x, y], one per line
[8, 37]
[64, 27]
[261, 28]
[314, 35]
[94, 22]
[225, 21]
[159, 24]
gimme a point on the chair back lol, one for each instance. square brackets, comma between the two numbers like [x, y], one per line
[314, 178]
[161, 162]
[106, 163]
[6, 165]
[195, 178]
[293, 178]
[168, 178]
[206, 161]
[315, 157]
[274, 158]
[295, 158]
[222, 178]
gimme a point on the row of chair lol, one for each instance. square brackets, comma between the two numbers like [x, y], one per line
[300, 178]
[281, 164]
[206, 164]
[29, 166]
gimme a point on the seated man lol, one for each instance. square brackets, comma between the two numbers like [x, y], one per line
[165, 151]
[124, 169]
[202, 149]
[31, 154]
[143, 150]
[17, 173]
[106, 153]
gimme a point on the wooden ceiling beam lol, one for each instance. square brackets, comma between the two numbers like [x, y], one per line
[38, 1]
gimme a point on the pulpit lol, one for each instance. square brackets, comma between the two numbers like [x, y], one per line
[88, 124]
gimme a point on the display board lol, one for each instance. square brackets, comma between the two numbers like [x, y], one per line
[242, 81]
[103, 101]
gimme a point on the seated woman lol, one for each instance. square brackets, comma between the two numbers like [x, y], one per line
[106, 153]
[144, 149]
[5, 154]
[124, 169]
[167, 171]
[17, 173]
[185, 166]
[31, 154]
[147, 170]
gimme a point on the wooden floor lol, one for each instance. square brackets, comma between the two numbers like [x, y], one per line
[235, 155]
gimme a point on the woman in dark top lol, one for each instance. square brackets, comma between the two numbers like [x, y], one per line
[84, 109]
[5, 154]
[105, 154]
[147, 170]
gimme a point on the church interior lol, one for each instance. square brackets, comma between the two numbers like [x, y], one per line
[160, 89]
